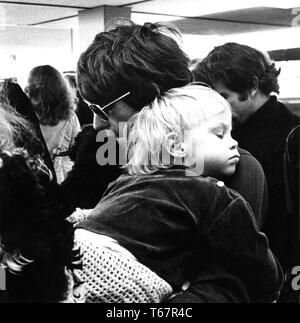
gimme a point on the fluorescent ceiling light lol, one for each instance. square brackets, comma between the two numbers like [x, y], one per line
[141, 18]
[269, 39]
[285, 4]
[208, 7]
[244, 4]
[196, 8]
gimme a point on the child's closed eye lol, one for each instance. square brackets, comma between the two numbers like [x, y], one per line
[219, 130]
[219, 133]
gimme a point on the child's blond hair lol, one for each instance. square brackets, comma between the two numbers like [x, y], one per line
[178, 110]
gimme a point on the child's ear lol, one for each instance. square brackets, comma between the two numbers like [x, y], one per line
[175, 146]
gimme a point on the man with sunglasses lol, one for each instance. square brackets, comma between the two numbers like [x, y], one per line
[123, 70]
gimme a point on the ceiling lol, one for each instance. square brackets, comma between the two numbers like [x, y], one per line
[192, 16]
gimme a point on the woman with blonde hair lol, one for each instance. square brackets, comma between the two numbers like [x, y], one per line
[54, 105]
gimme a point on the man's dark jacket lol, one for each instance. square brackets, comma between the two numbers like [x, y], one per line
[264, 134]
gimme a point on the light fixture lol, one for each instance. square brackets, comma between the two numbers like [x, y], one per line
[286, 4]
[206, 7]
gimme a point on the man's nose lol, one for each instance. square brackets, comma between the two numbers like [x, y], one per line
[99, 123]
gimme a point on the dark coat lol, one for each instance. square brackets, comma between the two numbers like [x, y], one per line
[32, 212]
[263, 135]
[249, 180]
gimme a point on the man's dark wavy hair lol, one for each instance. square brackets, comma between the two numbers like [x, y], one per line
[50, 95]
[143, 60]
[239, 67]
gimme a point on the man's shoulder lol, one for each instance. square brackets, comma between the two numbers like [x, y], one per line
[245, 154]
[248, 162]
[287, 113]
[171, 181]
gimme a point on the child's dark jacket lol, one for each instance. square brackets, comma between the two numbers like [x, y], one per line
[179, 226]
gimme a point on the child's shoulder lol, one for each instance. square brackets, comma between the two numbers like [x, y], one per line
[209, 185]
[190, 176]
[174, 179]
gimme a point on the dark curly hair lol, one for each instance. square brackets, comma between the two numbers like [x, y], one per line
[239, 67]
[50, 95]
[20, 114]
[16, 131]
[143, 60]
[36, 241]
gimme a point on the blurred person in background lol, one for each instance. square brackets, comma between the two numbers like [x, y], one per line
[37, 256]
[84, 114]
[12, 99]
[53, 103]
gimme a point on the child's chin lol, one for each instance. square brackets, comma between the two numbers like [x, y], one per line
[229, 171]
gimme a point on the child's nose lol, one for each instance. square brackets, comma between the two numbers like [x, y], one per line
[233, 144]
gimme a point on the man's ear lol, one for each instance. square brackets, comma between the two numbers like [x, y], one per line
[175, 146]
[255, 87]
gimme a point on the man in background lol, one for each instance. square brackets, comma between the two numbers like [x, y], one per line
[247, 79]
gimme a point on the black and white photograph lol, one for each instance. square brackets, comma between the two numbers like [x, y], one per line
[149, 154]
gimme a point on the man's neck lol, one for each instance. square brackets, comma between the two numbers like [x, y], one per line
[256, 103]
[259, 101]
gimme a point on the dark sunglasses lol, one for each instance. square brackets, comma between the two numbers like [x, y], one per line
[100, 110]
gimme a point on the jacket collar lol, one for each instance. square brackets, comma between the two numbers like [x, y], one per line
[269, 112]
